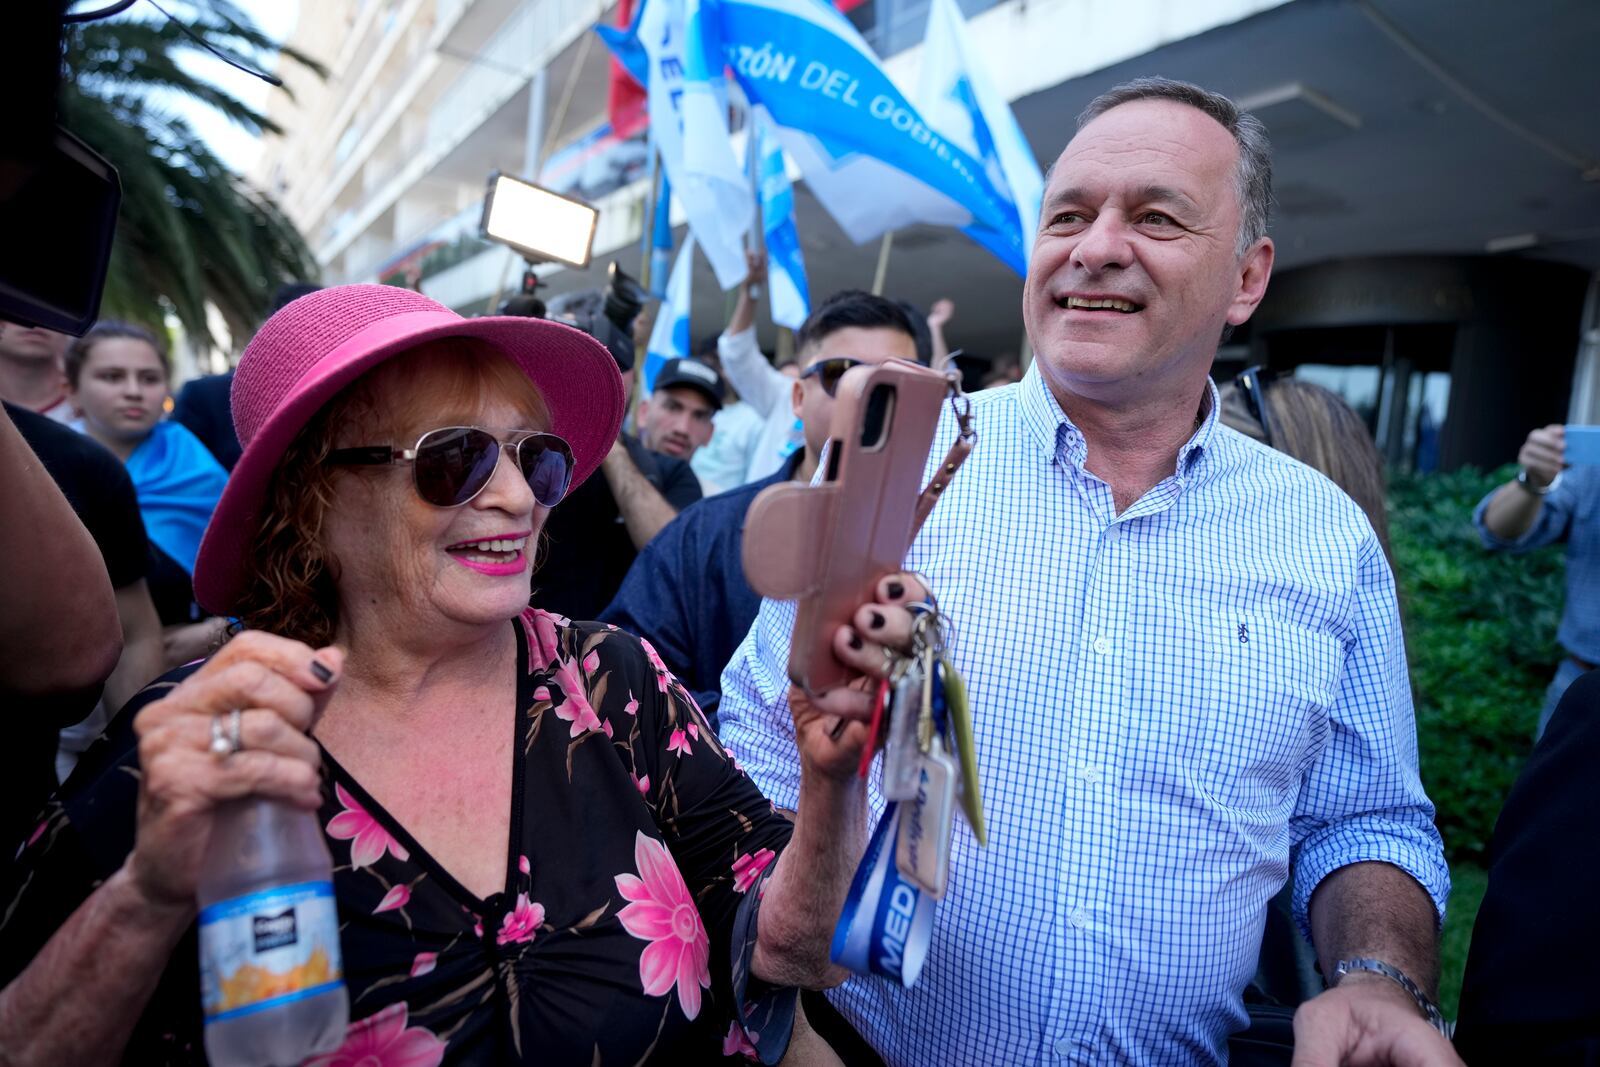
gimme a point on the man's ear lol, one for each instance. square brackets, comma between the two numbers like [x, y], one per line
[797, 398]
[1254, 271]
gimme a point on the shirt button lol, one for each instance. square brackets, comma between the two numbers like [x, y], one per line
[1113, 532]
[1101, 645]
[1064, 1047]
[1089, 774]
[1078, 918]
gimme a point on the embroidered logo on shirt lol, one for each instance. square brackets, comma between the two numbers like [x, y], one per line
[1244, 634]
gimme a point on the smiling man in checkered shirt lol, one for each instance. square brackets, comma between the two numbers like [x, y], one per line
[1184, 655]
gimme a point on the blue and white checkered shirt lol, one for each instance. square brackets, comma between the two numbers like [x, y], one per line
[1171, 707]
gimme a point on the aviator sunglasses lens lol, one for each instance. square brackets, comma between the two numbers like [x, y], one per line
[454, 464]
[547, 464]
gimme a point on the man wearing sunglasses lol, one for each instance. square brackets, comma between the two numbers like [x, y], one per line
[687, 593]
[1183, 650]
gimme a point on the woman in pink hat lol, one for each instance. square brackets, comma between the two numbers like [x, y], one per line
[542, 854]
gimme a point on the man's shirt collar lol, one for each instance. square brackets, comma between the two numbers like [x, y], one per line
[1059, 438]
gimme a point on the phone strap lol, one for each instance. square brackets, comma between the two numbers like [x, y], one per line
[967, 436]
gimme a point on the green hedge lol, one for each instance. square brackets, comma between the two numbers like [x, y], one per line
[1480, 633]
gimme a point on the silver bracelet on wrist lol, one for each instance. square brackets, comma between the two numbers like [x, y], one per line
[1430, 1011]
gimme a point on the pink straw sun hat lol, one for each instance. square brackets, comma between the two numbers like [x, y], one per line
[315, 346]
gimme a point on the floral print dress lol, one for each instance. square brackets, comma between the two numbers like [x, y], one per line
[623, 934]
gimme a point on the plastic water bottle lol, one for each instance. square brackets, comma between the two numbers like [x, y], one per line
[271, 976]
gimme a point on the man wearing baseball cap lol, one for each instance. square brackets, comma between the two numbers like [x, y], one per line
[676, 419]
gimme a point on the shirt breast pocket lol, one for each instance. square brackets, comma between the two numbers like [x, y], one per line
[1269, 683]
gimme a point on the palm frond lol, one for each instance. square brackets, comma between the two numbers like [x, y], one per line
[124, 57]
[191, 233]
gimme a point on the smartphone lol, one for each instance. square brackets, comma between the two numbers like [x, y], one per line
[829, 544]
[1583, 446]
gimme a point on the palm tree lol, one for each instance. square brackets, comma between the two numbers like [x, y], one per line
[191, 231]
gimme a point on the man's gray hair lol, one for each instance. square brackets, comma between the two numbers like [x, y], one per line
[1254, 170]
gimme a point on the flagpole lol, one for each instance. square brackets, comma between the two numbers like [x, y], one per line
[647, 240]
[752, 168]
[882, 273]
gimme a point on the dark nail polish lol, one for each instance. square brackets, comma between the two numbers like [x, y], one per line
[855, 641]
[321, 670]
[896, 590]
[876, 622]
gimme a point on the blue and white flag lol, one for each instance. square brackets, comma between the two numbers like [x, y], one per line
[958, 98]
[786, 268]
[688, 120]
[669, 337]
[871, 157]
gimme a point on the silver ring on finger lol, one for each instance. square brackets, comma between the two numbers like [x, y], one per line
[226, 741]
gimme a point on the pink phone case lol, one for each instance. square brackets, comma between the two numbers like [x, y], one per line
[827, 545]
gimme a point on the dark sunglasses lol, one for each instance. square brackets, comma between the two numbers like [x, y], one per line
[829, 371]
[1252, 382]
[452, 465]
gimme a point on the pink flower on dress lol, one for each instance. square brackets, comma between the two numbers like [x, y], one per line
[398, 897]
[632, 706]
[679, 743]
[521, 923]
[662, 912]
[591, 663]
[747, 869]
[662, 674]
[424, 964]
[737, 1044]
[606, 726]
[523, 865]
[643, 784]
[368, 840]
[694, 730]
[384, 1040]
[574, 707]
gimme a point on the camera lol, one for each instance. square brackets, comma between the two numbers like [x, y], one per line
[605, 314]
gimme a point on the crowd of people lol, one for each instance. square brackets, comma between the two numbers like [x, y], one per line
[497, 635]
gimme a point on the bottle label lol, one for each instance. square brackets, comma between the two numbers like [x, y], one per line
[268, 948]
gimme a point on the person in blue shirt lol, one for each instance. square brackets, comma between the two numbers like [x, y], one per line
[1549, 502]
[686, 593]
[1183, 652]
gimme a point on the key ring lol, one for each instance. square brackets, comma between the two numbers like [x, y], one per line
[930, 604]
[928, 619]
